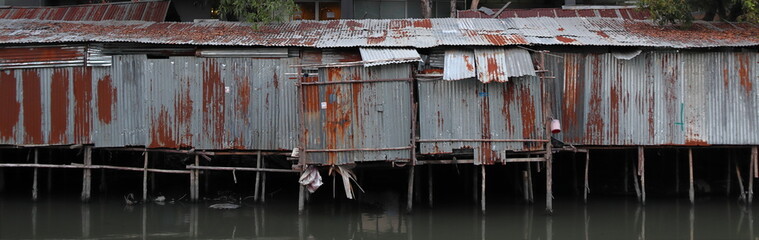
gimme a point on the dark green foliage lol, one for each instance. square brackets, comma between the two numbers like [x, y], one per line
[258, 11]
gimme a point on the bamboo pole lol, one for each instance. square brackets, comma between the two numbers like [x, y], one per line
[549, 170]
[145, 178]
[636, 183]
[87, 176]
[263, 183]
[529, 182]
[410, 190]
[482, 193]
[34, 182]
[691, 190]
[525, 186]
[751, 175]
[429, 185]
[642, 173]
[258, 176]
[740, 181]
[586, 189]
[193, 190]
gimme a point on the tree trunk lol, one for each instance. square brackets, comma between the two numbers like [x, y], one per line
[426, 9]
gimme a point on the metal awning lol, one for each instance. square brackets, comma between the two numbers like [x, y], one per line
[487, 64]
[383, 56]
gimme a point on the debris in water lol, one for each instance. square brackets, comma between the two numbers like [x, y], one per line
[224, 206]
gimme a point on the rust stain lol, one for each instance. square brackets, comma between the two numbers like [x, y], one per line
[337, 115]
[59, 106]
[493, 71]
[527, 112]
[743, 73]
[614, 101]
[423, 23]
[602, 34]
[311, 96]
[595, 124]
[275, 80]
[469, 63]
[695, 142]
[560, 29]
[107, 98]
[399, 24]
[82, 104]
[38, 54]
[377, 40]
[243, 93]
[571, 88]
[486, 154]
[183, 107]
[10, 108]
[213, 102]
[508, 93]
[161, 134]
[354, 24]
[498, 40]
[565, 39]
[32, 104]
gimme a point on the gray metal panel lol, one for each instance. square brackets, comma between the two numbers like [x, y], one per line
[127, 125]
[359, 116]
[384, 56]
[459, 64]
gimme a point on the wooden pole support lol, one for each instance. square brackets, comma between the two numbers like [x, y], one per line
[482, 191]
[429, 185]
[258, 177]
[87, 176]
[636, 183]
[691, 190]
[301, 199]
[549, 178]
[740, 181]
[410, 190]
[525, 186]
[263, 183]
[752, 175]
[34, 182]
[642, 173]
[145, 177]
[586, 189]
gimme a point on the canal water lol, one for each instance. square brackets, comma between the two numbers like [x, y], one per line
[601, 218]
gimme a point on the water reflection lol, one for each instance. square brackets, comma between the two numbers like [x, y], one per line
[600, 219]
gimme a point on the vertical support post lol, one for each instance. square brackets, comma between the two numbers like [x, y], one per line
[429, 185]
[196, 184]
[752, 174]
[36, 169]
[525, 186]
[586, 189]
[743, 196]
[301, 199]
[193, 194]
[258, 176]
[263, 182]
[691, 190]
[482, 197]
[410, 190]
[642, 173]
[636, 183]
[145, 177]
[87, 176]
[529, 182]
[549, 168]
[453, 9]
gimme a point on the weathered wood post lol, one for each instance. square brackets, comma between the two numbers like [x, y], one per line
[586, 189]
[482, 196]
[87, 176]
[642, 173]
[263, 182]
[691, 190]
[429, 185]
[752, 175]
[258, 176]
[36, 169]
[636, 183]
[529, 182]
[549, 169]
[410, 190]
[145, 177]
[525, 186]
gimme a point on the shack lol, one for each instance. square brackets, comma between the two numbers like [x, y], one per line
[405, 92]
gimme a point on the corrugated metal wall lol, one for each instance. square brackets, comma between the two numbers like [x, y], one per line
[657, 98]
[359, 115]
[469, 109]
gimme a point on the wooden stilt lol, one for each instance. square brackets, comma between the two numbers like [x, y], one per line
[34, 182]
[429, 185]
[549, 180]
[87, 178]
[410, 189]
[642, 173]
[529, 182]
[194, 181]
[482, 191]
[263, 182]
[636, 183]
[525, 186]
[586, 189]
[691, 190]
[145, 178]
[752, 174]
[740, 182]
[301, 198]
[258, 177]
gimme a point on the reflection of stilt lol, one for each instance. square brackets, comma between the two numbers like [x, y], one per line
[691, 222]
[410, 189]
[643, 224]
[549, 227]
[144, 221]
[85, 221]
[527, 230]
[34, 182]
[194, 221]
[691, 191]
[87, 176]
[34, 221]
[301, 199]
[587, 222]
[482, 223]
[549, 179]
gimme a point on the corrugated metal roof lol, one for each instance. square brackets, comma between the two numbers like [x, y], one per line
[487, 64]
[140, 11]
[459, 64]
[579, 31]
[384, 56]
[619, 13]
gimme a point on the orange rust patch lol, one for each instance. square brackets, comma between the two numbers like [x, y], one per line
[106, 99]
[82, 104]
[376, 40]
[243, 93]
[161, 133]
[602, 34]
[423, 23]
[595, 124]
[354, 24]
[565, 39]
[9, 106]
[59, 106]
[527, 112]
[696, 142]
[469, 63]
[32, 106]
[561, 29]
[213, 102]
[743, 73]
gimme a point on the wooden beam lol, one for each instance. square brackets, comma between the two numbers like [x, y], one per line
[87, 175]
[145, 178]
[642, 173]
[410, 190]
[482, 193]
[34, 182]
[258, 178]
[691, 190]
[586, 189]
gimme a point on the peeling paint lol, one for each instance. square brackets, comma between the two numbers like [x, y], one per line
[59, 106]
[32, 105]
[107, 98]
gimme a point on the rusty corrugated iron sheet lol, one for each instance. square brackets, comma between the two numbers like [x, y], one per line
[459, 64]
[619, 13]
[469, 109]
[487, 64]
[658, 98]
[578, 31]
[52, 56]
[383, 56]
[369, 115]
[154, 11]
